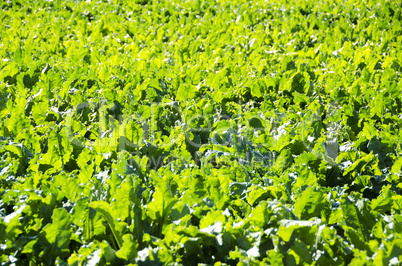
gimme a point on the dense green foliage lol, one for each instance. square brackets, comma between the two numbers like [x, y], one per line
[240, 132]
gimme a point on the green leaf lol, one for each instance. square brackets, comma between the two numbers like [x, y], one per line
[59, 232]
[287, 227]
[378, 104]
[186, 92]
[381, 204]
[257, 194]
[162, 203]
[257, 90]
[259, 215]
[107, 251]
[18, 56]
[211, 218]
[106, 211]
[283, 161]
[128, 250]
[310, 203]
[397, 166]
[369, 131]
[351, 218]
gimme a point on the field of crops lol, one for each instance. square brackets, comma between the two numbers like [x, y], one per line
[200, 132]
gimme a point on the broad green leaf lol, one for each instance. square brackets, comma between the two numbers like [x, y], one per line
[355, 237]
[257, 194]
[310, 203]
[396, 168]
[259, 215]
[257, 90]
[186, 92]
[106, 211]
[128, 250]
[59, 232]
[162, 202]
[18, 58]
[381, 204]
[351, 218]
[369, 131]
[283, 161]
[288, 226]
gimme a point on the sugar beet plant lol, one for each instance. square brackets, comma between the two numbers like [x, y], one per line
[214, 132]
